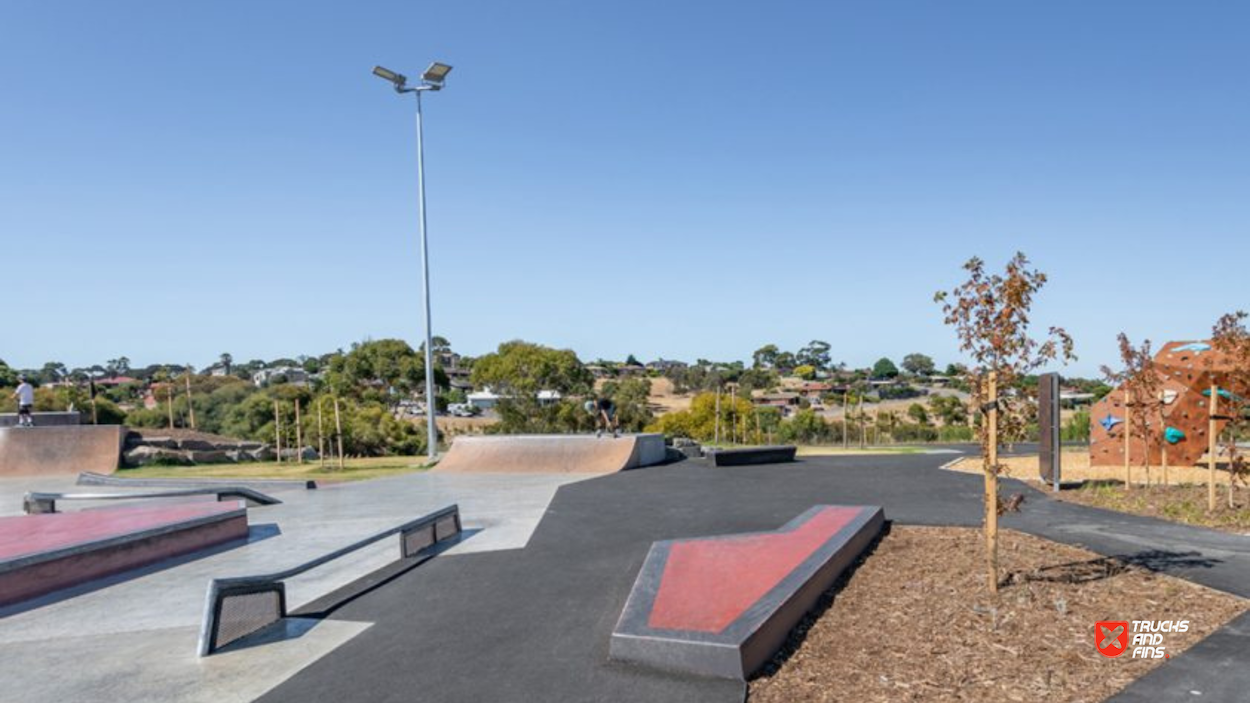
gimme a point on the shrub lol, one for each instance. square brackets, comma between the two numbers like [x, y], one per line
[806, 427]
[1076, 429]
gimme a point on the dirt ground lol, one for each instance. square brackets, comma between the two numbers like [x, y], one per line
[915, 622]
[664, 400]
[898, 407]
[452, 426]
[1075, 467]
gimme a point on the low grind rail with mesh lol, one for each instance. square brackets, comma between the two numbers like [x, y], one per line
[239, 606]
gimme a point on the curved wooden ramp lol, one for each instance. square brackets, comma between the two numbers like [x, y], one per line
[552, 454]
[66, 449]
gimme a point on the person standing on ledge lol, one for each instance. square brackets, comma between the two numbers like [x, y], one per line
[25, 395]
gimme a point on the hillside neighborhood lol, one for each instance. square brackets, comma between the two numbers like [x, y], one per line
[800, 396]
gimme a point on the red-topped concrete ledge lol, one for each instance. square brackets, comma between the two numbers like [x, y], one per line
[722, 606]
[40, 554]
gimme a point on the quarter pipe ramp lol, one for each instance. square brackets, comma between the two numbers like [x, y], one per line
[68, 449]
[552, 454]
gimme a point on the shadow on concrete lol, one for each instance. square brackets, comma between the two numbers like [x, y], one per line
[290, 628]
[1165, 561]
[326, 605]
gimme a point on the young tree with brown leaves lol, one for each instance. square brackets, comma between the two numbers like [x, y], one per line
[1143, 402]
[990, 314]
[1231, 338]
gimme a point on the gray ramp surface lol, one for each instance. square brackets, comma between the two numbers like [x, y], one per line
[535, 624]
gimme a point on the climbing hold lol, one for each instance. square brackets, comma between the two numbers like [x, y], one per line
[1109, 421]
[1195, 347]
[1173, 435]
[1224, 393]
[1167, 396]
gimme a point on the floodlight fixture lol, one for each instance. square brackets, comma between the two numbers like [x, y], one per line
[398, 79]
[436, 74]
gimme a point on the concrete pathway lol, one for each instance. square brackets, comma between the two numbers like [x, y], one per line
[133, 637]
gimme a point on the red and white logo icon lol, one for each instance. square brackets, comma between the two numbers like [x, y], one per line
[1111, 637]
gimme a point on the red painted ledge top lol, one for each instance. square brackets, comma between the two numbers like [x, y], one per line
[708, 583]
[25, 535]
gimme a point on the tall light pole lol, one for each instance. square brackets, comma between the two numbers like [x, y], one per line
[432, 79]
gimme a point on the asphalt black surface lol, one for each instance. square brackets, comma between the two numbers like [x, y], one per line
[534, 624]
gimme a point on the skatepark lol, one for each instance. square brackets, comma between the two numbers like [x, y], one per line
[580, 568]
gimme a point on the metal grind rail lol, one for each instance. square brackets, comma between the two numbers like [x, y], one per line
[35, 503]
[239, 606]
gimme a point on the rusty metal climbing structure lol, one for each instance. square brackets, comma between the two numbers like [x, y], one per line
[1188, 371]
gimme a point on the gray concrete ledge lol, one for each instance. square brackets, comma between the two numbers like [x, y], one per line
[755, 635]
[753, 455]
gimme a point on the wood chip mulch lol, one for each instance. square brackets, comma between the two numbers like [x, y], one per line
[915, 622]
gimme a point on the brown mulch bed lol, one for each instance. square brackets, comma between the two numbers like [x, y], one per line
[916, 622]
[1185, 504]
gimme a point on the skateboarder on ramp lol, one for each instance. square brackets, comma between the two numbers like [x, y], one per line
[604, 412]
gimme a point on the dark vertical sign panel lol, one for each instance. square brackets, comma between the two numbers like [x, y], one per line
[1048, 425]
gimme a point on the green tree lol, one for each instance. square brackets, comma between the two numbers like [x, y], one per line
[816, 354]
[53, 371]
[765, 357]
[439, 345]
[373, 369]
[950, 409]
[521, 369]
[1076, 429]
[631, 399]
[918, 365]
[756, 380]
[884, 368]
[699, 421]
[805, 427]
[917, 412]
[518, 370]
[8, 377]
[785, 361]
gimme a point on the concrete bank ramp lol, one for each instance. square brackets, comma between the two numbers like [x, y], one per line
[67, 449]
[552, 454]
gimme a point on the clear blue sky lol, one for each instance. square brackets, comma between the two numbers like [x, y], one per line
[677, 179]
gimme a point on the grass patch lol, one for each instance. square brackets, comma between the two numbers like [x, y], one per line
[822, 450]
[1185, 504]
[360, 469]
